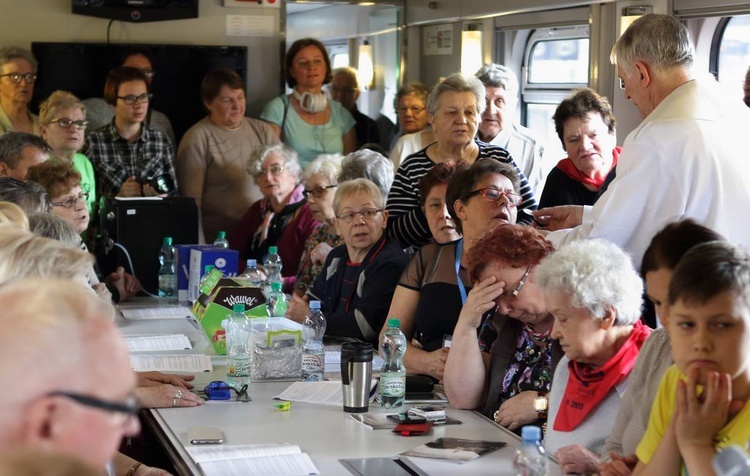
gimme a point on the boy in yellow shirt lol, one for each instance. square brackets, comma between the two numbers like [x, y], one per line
[700, 405]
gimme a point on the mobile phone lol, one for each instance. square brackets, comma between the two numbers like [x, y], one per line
[434, 413]
[205, 435]
[406, 418]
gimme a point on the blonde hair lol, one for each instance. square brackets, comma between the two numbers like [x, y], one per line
[13, 215]
[355, 187]
[56, 102]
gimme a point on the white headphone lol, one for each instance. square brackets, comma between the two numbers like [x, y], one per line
[310, 102]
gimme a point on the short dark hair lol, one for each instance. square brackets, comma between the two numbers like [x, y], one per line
[28, 195]
[464, 180]
[708, 270]
[215, 79]
[56, 177]
[579, 105]
[440, 174]
[670, 244]
[296, 47]
[12, 145]
[138, 51]
[413, 88]
[118, 76]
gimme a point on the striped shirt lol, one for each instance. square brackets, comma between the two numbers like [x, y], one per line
[406, 221]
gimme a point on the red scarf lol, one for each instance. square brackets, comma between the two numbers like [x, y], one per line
[586, 387]
[568, 168]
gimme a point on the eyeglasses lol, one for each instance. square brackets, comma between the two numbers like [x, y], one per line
[72, 201]
[17, 77]
[514, 294]
[493, 195]
[317, 192]
[414, 110]
[66, 123]
[622, 83]
[129, 407]
[275, 171]
[366, 213]
[131, 99]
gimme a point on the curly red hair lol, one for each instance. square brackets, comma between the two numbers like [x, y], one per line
[516, 246]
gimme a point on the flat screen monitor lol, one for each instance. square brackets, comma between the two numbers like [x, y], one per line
[82, 69]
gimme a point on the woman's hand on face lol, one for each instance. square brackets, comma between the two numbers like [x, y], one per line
[577, 459]
[165, 396]
[619, 465]
[481, 299]
[319, 254]
[435, 364]
[517, 411]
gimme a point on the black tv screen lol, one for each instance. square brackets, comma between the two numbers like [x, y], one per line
[82, 69]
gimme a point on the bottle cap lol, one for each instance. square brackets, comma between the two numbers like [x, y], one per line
[394, 322]
[208, 268]
[276, 286]
[273, 249]
[221, 235]
[314, 304]
[238, 308]
[251, 263]
[167, 240]
[531, 433]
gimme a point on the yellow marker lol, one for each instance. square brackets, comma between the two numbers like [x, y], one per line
[283, 406]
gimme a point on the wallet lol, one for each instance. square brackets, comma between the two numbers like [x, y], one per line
[413, 429]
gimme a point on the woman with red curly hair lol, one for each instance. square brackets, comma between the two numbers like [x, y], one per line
[512, 387]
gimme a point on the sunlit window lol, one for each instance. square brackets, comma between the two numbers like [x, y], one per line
[734, 54]
[559, 61]
[340, 60]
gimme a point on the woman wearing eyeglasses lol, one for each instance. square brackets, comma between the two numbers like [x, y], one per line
[17, 75]
[433, 289]
[63, 122]
[282, 218]
[358, 278]
[320, 179]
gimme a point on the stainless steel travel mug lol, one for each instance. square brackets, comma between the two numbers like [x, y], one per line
[356, 376]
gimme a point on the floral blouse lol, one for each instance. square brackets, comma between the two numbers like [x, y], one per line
[529, 368]
[307, 271]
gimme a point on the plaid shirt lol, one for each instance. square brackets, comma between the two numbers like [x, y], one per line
[115, 159]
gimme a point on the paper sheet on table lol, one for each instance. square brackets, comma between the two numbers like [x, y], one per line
[162, 312]
[202, 454]
[285, 465]
[144, 343]
[324, 393]
[171, 363]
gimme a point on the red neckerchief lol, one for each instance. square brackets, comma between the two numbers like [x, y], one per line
[587, 387]
[568, 168]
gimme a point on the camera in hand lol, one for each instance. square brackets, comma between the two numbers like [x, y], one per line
[163, 184]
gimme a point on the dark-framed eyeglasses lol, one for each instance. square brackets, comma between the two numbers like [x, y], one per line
[131, 99]
[274, 170]
[317, 192]
[366, 213]
[17, 77]
[413, 109]
[493, 195]
[129, 407]
[514, 294]
[72, 201]
[67, 123]
[622, 83]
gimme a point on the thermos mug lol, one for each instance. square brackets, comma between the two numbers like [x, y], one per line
[356, 376]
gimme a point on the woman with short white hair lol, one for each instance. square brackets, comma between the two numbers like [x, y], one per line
[594, 293]
[373, 166]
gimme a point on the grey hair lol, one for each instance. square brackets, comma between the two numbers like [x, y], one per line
[661, 41]
[30, 196]
[595, 274]
[414, 88]
[259, 154]
[357, 186]
[457, 83]
[498, 76]
[12, 145]
[9, 53]
[327, 165]
[349, 71]
[366, 163]
[53, 227]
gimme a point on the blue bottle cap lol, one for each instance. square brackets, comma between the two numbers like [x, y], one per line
[251, 263]
[314, 304]
[531, 433]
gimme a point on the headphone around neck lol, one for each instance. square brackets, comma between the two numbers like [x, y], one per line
[309, 102]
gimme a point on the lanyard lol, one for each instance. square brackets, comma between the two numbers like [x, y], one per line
[461, 287]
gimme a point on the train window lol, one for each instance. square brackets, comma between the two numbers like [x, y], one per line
[559, 61]
[734, 53]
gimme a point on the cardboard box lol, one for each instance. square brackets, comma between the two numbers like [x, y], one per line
[224, 260]
[183, 269]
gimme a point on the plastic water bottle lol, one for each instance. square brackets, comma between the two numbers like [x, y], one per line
[313, 352]
[393, 374]
[206, 271]
[276, 301]
[167, 276]
[221, 240]
[273, 267]
[252, 274]
[531, 459]
[238, 328]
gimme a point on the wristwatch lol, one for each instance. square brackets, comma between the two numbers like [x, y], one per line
[540, 405]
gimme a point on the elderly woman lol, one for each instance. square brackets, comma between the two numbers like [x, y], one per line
[360, 276]
[211, 156]
[434, 288]
[320, 179]
[17, 75]
[586, 127]
[508, 388]
[594, 293]
[368, 164]
[432, 188]
[306, 120]
[411, 109]
[63, 122]
[282, 218]
[454, 108]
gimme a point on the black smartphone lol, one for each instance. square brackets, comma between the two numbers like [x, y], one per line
[406, 418]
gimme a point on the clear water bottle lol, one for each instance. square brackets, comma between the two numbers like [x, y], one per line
[167, 276]
[313, 352]
[221, 240]
[531, 459]
[393, 374]
[238, 328]
[273, 267]
[252, 274]
[276, 301]
[206, 271]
